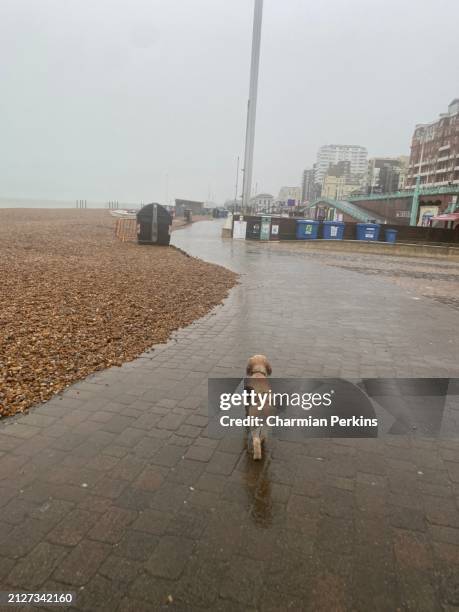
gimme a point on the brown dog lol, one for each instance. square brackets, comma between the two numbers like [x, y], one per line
[258, 369]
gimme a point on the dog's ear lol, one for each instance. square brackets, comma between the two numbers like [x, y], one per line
[268, 367]
[249, 367]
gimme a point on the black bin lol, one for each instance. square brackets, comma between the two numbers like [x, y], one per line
[253, 228]
[153, 225]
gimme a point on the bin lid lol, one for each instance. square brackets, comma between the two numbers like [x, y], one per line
[368, 224]
[333, 222]
[307, 221]
[146, 212]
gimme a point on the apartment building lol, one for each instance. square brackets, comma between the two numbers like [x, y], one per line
[434, 155]
[262, 202]
[289, 196]
[332, 154]
[386, 174]
[307, 185]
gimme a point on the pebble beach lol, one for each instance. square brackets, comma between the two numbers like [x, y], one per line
[74, 299]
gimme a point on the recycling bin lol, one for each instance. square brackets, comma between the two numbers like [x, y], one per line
[153, 225]
[306, 229]
[253, 228]
[368, 231]
[333, 230]
[391, 235]
[265, 229]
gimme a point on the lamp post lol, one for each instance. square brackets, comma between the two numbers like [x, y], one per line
[417, 187]
[237, 183]
[252, 104]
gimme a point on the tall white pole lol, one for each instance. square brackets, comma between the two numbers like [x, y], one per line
[237, 183]
[252, 105]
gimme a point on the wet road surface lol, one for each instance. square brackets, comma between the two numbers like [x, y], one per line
[116, 492]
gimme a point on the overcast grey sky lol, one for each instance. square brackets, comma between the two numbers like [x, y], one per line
[105, 99]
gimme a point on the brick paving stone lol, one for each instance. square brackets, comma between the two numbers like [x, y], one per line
[50, 512]
[111, 487]
[132, 498]
[186, 472]
[197, 420]
[170, 557]
[16, 510]
[100, 593]
[117, 424]
[96, 504]
[31, 571]
[5, 567]
[82, 563]
[373, 567]
[190, 522]
[182, 441]
[449, 588]
[168, 456]
[102, 463]
[136, 545]
[111, 526]
[147, 447]
[152, 521]
[170, 495]
[7, 442]
[127, 468]
[413, 520]
[446, 552]
[20, 430]
[150, 479]
[129, 437]
[21, 539]
[198, 588]
[114, 450]
[120, 569]
[211, 482]
[155, 591]
[412, 550]
[200, 453]
[73, 528]
[171, 421]
[222, 463]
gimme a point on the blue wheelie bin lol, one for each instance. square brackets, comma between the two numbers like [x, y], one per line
[306, 229]
[368, 231]
[333, 230]
[391, 235]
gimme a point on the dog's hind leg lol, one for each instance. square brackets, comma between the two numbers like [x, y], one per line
[249, 441]
[256, 448]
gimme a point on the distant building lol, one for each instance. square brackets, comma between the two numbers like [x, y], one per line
[435, 151]
[338, 188]
[195, 207]
[261, 202]
[307, 186]
[332, 154]
[403, 171]
[385, 174]
[339, 182]
[289, 196]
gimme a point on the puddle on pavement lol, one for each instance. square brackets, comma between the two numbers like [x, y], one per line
[257, 481]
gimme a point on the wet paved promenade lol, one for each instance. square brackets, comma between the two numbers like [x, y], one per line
[114, 492]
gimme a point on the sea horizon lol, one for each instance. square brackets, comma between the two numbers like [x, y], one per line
[6, 202]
